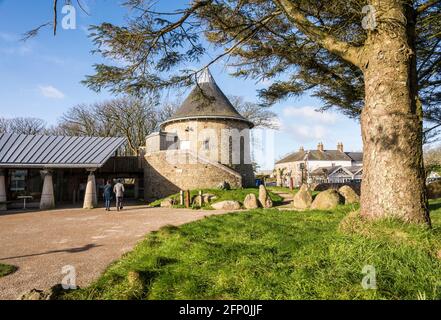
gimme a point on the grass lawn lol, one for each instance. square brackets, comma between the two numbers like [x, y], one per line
[6, 269]
[234, 194]
[267, 254]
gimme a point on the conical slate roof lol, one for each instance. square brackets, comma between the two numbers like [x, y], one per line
[207, 101]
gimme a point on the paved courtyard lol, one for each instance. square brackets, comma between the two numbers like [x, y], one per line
[40, 244]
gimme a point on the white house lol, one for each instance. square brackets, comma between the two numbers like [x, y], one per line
[301, 165]
[337, 174]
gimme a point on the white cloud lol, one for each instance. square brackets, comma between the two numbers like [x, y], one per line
[310, 114]
[306, 125]
[21, 50]
[51, 92]
[306, 133]
[8, 37]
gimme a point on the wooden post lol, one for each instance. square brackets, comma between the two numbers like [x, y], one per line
[187, 199]
[291, 184]
[201, 201]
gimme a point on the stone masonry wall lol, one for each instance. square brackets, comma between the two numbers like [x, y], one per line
[198, 130]
[168, 172]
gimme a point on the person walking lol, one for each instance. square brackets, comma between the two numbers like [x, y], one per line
[118, 189]
[108, 194]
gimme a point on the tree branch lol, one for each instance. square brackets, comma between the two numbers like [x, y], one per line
[55, 17]
[427, 5]
[341, 48]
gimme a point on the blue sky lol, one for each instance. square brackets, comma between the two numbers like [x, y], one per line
[41, 77]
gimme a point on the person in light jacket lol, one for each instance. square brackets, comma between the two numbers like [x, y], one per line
[118, 189]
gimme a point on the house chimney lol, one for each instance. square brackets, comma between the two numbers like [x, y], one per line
[320, 147]
[340, 147]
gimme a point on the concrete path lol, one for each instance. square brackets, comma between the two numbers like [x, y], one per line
[40, 244]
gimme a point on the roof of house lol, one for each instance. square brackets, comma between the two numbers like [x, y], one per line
[41, 151]
[207, 101]
[331, 169]
[325, 155]
[355, 156]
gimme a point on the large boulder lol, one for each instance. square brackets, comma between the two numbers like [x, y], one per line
[264, 198]
[167, 203]
[434, 190]
[349, 194]
[198, 201]
[303, 198]
[226, 205]
[50, 294]
[327, 200]
[251, 201]
[208, 197]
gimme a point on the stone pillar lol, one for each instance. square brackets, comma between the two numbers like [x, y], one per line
[3, 206]
[90, 196]
[47, 200]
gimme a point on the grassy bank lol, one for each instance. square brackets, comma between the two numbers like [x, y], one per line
[267, 254]
[6, 269]
[222, 195]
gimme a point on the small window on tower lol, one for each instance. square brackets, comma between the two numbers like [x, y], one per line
[207, 144]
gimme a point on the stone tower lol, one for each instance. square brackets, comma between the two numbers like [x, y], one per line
[208, 129]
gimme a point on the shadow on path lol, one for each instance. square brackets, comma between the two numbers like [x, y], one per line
[70, 250]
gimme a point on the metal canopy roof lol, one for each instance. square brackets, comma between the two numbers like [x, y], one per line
[39, 151]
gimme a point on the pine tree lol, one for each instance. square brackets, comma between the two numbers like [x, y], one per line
[374, 59]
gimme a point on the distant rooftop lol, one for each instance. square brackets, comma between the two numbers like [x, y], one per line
[328, 170]
[207, 101]
[322, 155]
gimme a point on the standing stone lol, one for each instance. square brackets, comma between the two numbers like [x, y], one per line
[90, 196]
[3, 205]
[251, 201]
[208, 197]
[268, 203]
[197, 201]
[181, 197]
[47, 200]
[349, 194]
[167, 203]
[226, 205]
[264, 199]
[200, 198]
[434, 190]
[327, 200]
[303, 198]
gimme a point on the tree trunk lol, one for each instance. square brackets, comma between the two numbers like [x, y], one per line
[393, 173]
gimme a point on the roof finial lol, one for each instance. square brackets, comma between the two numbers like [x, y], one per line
[205, 76]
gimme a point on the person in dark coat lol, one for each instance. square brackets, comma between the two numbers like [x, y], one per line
[108, 194]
